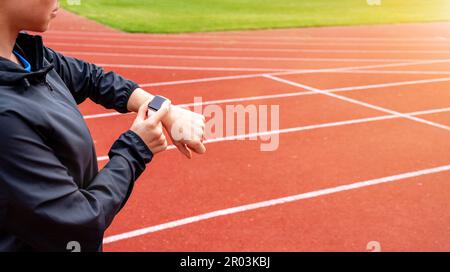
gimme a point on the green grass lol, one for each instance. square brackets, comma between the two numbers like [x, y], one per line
[174, 16]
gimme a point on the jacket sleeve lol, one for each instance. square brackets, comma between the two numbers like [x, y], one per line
[45, 207]
[86, 80]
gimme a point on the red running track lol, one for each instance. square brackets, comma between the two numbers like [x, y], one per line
[366, 160]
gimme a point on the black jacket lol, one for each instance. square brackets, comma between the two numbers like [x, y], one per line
[51, 191]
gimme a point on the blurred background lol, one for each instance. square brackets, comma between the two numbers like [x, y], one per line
[173, 16]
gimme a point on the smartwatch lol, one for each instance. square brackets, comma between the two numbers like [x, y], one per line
[156, 103]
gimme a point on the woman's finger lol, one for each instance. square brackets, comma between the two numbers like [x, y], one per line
[196, 146]
[183, 149]
[142, 112]
[156, 117]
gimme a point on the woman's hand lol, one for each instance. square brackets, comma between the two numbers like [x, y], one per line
[149, 127]
[186, 130]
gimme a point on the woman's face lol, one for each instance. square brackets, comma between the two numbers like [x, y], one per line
[32, 15]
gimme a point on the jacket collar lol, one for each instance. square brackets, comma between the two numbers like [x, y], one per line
[32, 48]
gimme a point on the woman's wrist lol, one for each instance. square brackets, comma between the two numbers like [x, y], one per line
[137, 98]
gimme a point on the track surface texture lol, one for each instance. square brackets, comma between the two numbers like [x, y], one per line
[364, 150]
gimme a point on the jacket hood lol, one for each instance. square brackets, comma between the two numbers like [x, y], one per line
[32, 49]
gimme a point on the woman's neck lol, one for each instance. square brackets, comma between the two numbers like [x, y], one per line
[8, 38]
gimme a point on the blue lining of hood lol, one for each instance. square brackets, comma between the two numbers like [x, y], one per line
[25, 63]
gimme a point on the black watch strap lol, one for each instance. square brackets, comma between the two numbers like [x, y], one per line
[156, 103]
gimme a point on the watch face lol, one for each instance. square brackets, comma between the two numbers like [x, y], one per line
[156, 103]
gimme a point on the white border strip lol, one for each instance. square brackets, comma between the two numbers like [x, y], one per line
[273, 202]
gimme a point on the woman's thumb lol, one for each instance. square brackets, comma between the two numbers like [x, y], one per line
[142, 112]
[161, 113]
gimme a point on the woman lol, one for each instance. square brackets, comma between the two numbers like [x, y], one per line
[51, 192]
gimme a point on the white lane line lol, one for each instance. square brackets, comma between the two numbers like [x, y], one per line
[163, 56]
[244, 49]
[391, 84]
[104, 115]
[327, 70]
[223, 42]
[254, 75]
[198, 80]
[102, 158]
[374, 66]
[193, 68]
[396, 72]
[274, 202]
[279, 71]
[357, 102]
[311, 127]
[272, 36]
[283, 95]
[325, 125]
[375, 51]
[290, 70]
